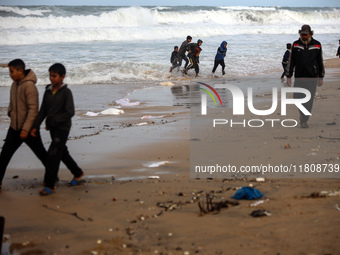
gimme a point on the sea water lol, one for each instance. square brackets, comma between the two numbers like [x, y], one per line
[132, 45]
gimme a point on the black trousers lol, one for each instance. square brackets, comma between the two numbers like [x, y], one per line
[13, 142]
[220, 62]
[194, 64]
[309, 84]
[284, 70]
[181, 58]
[57, 152]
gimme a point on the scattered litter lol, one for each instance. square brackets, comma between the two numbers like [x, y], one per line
[213, 207]
[312, 154]
[92, 114]
[112, 111]
[157, 164]
[260, 213]
[249, 193]
[331, 193]
[337, 207]
[258, 203]
[168, 83]
[150, 117]
[287, 146]
[260, 179]
[142, 124]
[126, 102]
[153, 177]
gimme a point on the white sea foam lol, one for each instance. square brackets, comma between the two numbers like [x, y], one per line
[23, 11]
[111, 45]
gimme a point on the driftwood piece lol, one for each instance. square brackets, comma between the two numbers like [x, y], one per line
[211, 207]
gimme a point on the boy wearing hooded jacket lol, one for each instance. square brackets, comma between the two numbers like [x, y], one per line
[57, 108]
[219, 58]
[22, 110]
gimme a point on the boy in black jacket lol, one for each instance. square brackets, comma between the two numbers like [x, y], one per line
[58, 109]
[174, 59]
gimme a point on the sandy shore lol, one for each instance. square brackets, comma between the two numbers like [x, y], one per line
[122, 209]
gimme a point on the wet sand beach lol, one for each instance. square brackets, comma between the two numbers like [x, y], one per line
[138, 198]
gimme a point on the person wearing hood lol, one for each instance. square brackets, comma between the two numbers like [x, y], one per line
[307, 64]
[219, 58]
[22, 110]
[57, 108]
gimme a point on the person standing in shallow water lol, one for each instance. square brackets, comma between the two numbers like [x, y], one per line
[219, 58]
[182, 50]
[174, 59]
[285, 59]
[193, 55]
[307, 63]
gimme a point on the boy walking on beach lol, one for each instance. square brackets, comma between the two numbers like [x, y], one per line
[174, 59]
[22, 110]
[58, 109]
[306, 60]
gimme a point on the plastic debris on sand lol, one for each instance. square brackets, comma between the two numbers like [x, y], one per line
[126, 102]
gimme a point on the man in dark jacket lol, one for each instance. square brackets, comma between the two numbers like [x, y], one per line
[338, 52]
[306, 59]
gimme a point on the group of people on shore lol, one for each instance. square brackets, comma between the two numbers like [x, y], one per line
[192, 58]
[303, 57]
[25, 119]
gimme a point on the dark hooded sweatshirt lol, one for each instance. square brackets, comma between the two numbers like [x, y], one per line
[58, 109]
[221, 52]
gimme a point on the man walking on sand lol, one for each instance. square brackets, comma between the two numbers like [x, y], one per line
[306, 58]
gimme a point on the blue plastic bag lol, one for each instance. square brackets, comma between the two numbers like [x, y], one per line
[247, 193]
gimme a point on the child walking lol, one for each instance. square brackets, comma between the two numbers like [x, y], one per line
[219, 58]
[58, 109]
[22, 110]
